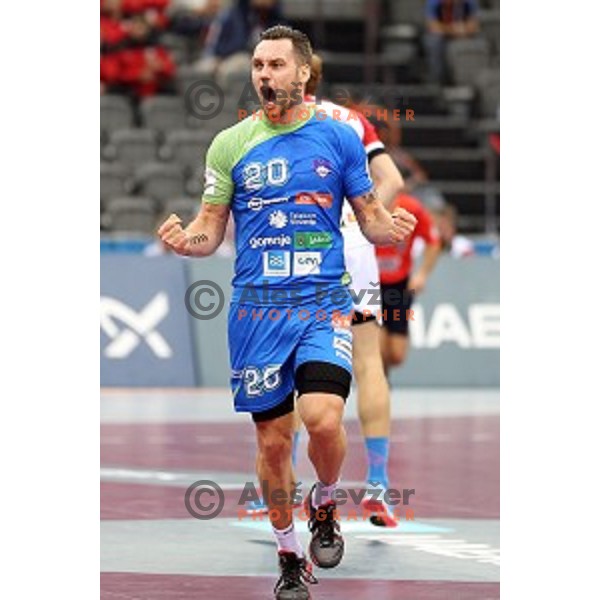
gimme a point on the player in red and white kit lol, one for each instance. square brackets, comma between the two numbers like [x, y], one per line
[361, 264]
[399, 284]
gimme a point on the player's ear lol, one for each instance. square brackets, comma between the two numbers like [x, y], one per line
[304, 73]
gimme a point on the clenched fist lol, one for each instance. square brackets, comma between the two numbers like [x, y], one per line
[404, 225]
[178, 239]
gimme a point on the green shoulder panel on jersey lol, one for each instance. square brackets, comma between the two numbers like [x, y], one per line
[230, 146]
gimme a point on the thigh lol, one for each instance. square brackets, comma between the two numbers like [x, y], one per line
[365, 344]
[361, 263]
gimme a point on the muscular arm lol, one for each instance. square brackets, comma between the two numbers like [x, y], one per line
[387, 178]
[377, 223]
[202, 236]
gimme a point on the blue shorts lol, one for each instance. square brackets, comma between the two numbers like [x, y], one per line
[267, 345]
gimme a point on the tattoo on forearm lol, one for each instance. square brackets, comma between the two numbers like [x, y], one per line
[199, 238]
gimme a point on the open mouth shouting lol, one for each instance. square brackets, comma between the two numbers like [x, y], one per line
[269, 97]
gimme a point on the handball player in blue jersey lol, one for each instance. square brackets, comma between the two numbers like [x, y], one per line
[284, 175]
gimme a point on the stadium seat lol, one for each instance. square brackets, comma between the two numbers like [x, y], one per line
[466, 58]
[227, 117]
[408, 11]
[186, 208]
[435, 132]
[451, 164]
[488, 88]
[115, 180]
[132, 147]
[177, 46]
[329, 9]
[186, 148]
[115, 113]
[131, 214]
[160, 181]
[163, 113]
[187, 76]
[490, 26]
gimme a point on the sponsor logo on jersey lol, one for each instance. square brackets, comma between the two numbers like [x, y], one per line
[306, 219]
[276, 263]
[278, 219]
[322, 167]
[278, 240]
[260, 203]
[313, 239]
[322, 199]
[307, 263]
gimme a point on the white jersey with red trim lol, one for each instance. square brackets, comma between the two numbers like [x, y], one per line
[353, 236]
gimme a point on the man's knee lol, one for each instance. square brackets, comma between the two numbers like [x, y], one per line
[359, 366]
[396, 358]
[397, 354]
[275, 446]
[325, 424]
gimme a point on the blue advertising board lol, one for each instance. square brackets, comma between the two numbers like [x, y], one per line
[145, 334]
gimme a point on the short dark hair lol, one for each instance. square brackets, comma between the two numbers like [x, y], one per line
[299, 40]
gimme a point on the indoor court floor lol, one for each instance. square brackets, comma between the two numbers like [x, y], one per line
[156, 443]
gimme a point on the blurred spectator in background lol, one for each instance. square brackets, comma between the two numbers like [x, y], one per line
[235, 32]
[447, 20]
[457, 246]
[192, 18]
[132, 61]
[398, 282]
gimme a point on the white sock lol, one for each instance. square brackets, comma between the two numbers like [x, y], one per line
[323, 494]
[287, 540]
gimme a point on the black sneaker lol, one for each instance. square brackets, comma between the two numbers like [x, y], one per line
[294, 572]
[327, 544]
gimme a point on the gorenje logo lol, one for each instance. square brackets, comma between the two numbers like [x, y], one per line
[279, 240]
[313, 239]
[138, 326]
